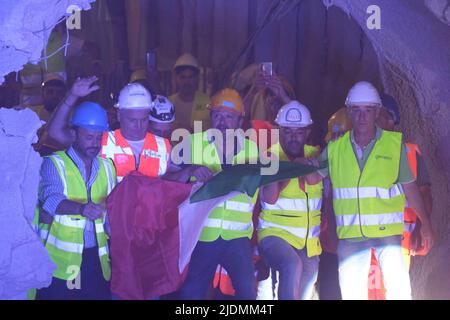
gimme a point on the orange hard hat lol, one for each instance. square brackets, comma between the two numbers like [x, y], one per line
[228, 99]
[339, 122]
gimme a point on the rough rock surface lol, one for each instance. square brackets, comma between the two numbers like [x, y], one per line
[24, 262]
[440, 8]
[26, 26]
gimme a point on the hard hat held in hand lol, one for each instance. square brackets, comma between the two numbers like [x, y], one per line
[362, 94]
[294, 115]
[163, 111]
[228, 99]
[90, 115]
[134, 96]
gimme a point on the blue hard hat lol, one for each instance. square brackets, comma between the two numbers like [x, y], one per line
[391, 105]
[90, 115]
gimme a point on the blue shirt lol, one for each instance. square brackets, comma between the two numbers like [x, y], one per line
[51, 190]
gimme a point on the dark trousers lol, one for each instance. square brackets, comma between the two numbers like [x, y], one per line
[234, 255]
[92, 284]
[329, 288]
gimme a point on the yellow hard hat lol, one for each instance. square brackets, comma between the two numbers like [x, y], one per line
[228, 99]
[339, 122]
[186, 60]
[52, 76]
[137, 75]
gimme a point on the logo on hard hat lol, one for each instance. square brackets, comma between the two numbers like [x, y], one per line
[293, 115]
[228, 104]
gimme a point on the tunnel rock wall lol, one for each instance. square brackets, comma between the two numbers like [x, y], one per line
[26, 26]
[24, 262]
[440, 8]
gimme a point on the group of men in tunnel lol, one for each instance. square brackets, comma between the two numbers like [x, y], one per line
[363, 202]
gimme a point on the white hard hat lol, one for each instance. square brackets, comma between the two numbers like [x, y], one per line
[163, 111]
[186, 60]
[134, 96]
[294, 115]
[363, 93]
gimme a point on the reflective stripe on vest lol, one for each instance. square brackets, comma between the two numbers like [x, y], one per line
[65, 240]
[367, 192]
[368, 203]
[293, 205]
[153, 159]
[103, 251]
[58, 161]
[236, 206]
[163, 148]
[64, 245]
[314, 231]
[409, 227]
[227, 225]
[69, 221]
[231, 219]
[295, 216]
[43, 234]
[369, 219]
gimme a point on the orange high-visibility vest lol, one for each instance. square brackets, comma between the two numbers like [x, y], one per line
[153, 160]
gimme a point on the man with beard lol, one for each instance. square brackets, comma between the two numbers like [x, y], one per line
[74, 185]
[289, 224]
[190, 104]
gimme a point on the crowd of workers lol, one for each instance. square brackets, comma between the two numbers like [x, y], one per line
[354, 222]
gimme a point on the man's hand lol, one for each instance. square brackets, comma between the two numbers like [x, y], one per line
[416, 238]
[308, 161]
[93, 211]
[201, 173]
[83, 87]
[273, 83]
[428, 236]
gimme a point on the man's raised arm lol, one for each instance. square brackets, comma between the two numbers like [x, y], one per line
[58, 125]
